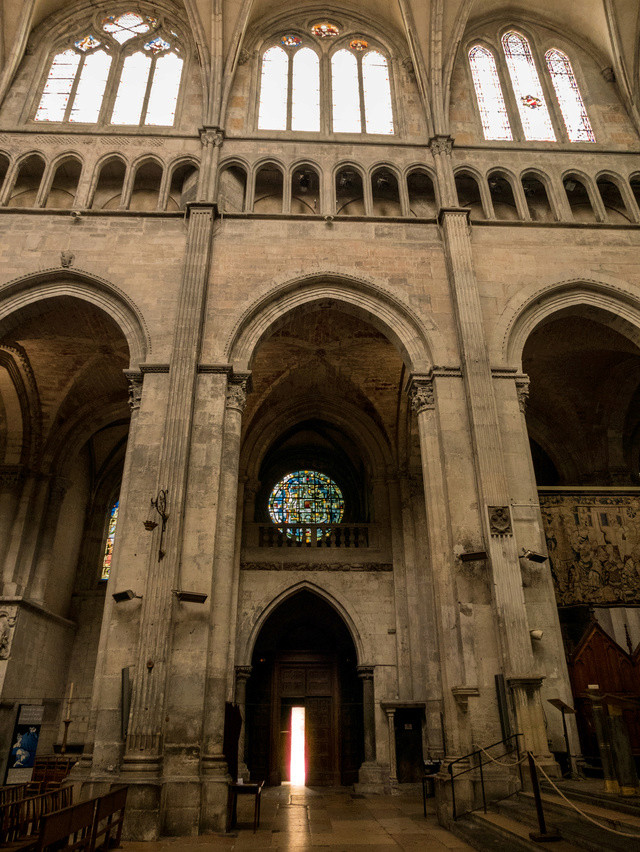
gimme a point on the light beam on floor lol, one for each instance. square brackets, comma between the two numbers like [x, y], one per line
[297, 772]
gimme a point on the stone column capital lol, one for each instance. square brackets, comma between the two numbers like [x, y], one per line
[421, 393]
[522, 389]
[238, 388]
[211, 137]
[243, 673]
[135, 378]
[365, 672]
[441, 145]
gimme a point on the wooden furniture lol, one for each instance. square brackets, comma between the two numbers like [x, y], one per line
[236, 790]
[50, 772]
[431, 770]
[21, 818]
[109, 818]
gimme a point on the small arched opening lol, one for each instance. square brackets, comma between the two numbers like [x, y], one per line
[349, 193]
[502, 197]
[232, 189]
[385, 193]
[305, 190]
[268, 190]
[469, 195]
[614, 204]
[145, 193]
[537, 198]
[579, 199]
[64, 185]
[108, 191]
[422, 194]
[24, 192]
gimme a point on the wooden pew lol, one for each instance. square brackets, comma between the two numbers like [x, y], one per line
[107, 827]
[21, 819]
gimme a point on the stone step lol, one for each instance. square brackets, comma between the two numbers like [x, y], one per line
[591, 792]
[573, 827]
[500, 832]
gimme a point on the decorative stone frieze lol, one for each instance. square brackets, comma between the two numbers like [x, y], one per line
[316, 566]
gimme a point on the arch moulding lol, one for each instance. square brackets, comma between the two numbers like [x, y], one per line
[416, 341]
[248, 639]
[524, 312]
[77, 284]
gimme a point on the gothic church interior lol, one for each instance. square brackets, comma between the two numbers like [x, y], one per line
[319, 387]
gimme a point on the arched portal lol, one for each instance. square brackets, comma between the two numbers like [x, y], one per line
[304, 658]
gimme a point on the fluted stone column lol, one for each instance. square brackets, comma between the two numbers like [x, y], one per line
[393, 763]
[143, 754]
[243, 673]
[497, 523]
[213, 764]
[57, 490]
[441, 561]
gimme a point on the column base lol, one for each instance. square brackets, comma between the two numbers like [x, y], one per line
[215, 779]
[372, 778]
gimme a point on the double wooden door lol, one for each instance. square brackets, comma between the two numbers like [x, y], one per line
[309, 681]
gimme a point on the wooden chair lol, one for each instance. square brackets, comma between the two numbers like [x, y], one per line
[107, 827]
[236, 790]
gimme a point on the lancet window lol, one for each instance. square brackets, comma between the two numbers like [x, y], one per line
[293, 72]
[112, 522]
[528, 92]
[123, 69]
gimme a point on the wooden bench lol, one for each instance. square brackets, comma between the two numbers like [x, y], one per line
[12, 793]
[21, 818]
[88, 826]
[236, 790]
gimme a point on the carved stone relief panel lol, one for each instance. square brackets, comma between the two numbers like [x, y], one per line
[594, 546]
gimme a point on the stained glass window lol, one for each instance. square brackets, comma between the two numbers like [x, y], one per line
[87, 43]
[378, 111]
[358, 44]
[491, 104]
[346, 93]
[111, 534]
[527, 88]
[274, 84]
[306, 497]
[291, 40]
[157, 44]
[57, 89]
[132, 89]
[128, 25]
[325, 30]
[569, 98]
[91, 86]
[305, 90]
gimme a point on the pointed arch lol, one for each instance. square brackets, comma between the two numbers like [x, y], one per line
[346, 613]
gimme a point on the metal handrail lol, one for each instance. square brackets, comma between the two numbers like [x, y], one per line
[478, 753]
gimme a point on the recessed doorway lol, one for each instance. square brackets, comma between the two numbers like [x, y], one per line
[304, 698]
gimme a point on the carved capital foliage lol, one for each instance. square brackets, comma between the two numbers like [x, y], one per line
[522, 388]
[421, 394]
[211, 137]
[135, 388]
[8, 618]
[500, 520]
[441, 145]
[243, 672]
[237, 391]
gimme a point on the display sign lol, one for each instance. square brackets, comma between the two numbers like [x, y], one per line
[24, 744]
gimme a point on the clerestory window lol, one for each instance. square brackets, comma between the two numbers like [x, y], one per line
[125, 70]
[356, 97]
[534, 113]
[112, 522]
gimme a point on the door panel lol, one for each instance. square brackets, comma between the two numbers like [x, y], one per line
[320, 746]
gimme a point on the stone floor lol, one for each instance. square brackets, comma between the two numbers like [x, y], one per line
[335, 819]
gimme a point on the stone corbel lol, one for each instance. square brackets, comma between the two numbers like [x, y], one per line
[462, 694]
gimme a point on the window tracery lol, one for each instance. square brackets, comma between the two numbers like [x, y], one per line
[528, 89]
[124, 69]
[293, 72]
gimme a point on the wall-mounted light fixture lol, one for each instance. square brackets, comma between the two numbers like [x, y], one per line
[532, 556]
[126, 595]
[158, 503]
[474, 556]
[189, 597]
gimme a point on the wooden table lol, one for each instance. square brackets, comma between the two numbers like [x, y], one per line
[236, 790]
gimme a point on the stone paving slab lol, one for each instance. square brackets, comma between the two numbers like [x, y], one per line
[332, 819]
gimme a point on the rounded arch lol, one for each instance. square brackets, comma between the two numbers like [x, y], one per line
[383, 310]
[51, 283]
[247, 643]
[618, 306]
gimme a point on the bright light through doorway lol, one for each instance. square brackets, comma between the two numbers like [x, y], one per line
[297, 770]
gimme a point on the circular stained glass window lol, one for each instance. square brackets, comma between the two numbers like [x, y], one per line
[306, 497]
